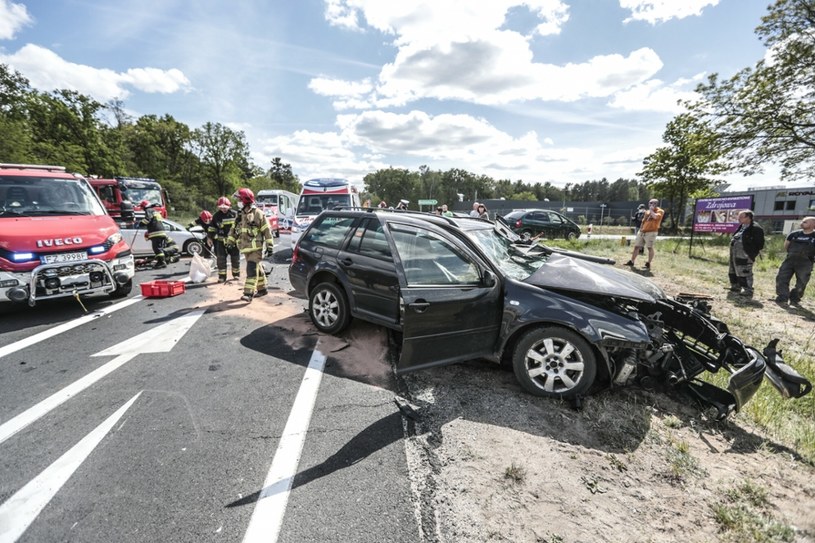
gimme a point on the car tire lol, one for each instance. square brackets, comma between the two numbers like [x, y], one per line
[554, 362]
[328, 308]
[571, 235]
[122, 290]
[526, 234]
[193, 247]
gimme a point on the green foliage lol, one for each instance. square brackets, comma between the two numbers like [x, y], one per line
[685, 166]
[526, 196]
[766, 113]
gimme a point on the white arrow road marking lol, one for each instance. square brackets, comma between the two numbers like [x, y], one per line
[267, 518]
[17, 514]
[156, 340]
[42, 336]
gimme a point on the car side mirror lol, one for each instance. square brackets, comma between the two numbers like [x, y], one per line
[488, 279]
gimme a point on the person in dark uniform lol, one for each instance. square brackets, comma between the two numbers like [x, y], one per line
[745, 245]
[163, 246]
[218, 232]
[800, 247]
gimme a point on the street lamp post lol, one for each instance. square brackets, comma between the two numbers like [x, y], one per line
[602, 208]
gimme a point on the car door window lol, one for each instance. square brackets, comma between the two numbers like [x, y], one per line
[429, 259]
[555, 218]
[369, 240]
[542, 217]
[329, 231]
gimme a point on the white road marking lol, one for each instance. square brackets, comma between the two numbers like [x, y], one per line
[267, 518]
[19, 511]
[156, 340]
[42, 336]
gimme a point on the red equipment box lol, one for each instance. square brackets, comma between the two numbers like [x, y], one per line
[162, 289]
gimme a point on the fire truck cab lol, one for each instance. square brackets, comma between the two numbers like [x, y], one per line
[130, 191]
[56, 239]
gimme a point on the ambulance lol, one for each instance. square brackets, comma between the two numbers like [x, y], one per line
[317, 195]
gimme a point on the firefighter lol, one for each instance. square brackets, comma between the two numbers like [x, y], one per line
[163, 247]
[218, 232]
[250, 232]
[203, 221]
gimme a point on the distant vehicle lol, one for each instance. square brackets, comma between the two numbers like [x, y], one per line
[189, 242]
[280, 204]
[529, 223]
[114, 191]
[56, 239]
[318, 195]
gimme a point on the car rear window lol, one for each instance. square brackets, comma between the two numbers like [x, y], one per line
[514, 215]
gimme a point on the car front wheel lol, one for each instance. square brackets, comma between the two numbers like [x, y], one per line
[526, 234]
[122, 290]
[571, 235]
[328, 308]
[554, 362]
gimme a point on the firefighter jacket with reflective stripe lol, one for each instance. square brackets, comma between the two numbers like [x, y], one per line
[221, 224]
[250, 230]
[152, 222]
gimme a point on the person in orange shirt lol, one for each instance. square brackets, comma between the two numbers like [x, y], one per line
[647, 233]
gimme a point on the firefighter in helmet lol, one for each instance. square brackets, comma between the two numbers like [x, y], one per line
[203, 220]
[163, 247]
[218, 232]
[252, 235]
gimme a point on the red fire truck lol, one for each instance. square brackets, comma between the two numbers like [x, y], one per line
[56, 239]
[112, 192]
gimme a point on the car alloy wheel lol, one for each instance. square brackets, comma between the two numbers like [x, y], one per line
[328, 308]
[193, 247]
[554, 362]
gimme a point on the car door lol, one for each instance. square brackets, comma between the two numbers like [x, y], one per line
[371, 274]
[450, 301]
[557, 227]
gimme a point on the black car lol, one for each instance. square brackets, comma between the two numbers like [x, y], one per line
[542, 223]
[458, 289]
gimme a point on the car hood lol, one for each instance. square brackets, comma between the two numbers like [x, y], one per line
[567, 273]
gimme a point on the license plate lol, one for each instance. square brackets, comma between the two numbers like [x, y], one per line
[64, 257]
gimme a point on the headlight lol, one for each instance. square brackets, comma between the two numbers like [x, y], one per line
[115, 238]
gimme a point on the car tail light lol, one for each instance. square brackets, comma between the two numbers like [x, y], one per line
[518, 223]
[294, 253]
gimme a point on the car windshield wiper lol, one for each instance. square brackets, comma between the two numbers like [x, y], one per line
[58, 212]
[10, 212]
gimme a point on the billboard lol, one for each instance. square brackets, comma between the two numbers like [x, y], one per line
[720, 215]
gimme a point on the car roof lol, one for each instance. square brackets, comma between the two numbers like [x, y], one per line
[461, 223]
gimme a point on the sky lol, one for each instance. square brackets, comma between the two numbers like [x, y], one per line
[562, 91]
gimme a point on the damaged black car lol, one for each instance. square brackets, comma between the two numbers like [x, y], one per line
[456, 289]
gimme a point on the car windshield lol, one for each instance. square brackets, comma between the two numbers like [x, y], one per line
[515, 260]
[314, 204]
[136, 195]
[39, 196]
[267, 199]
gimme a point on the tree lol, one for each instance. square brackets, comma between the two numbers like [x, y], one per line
[766, 114]
[684, 166]
[282, 176]
[393, 185]
[224, 155]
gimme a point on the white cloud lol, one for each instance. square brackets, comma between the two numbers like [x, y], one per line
[654, 95]
[659, 11]
[12, 18]
[459, 50]
[48, 71]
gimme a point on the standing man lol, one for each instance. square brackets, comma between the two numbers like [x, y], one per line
[800, 247]
[252, 235]
[163, 247]
[647, 234]
[745, 245]
[218, 231]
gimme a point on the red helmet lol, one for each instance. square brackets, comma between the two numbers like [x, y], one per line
[205, 216]
[246, 196]
[224, 201]
[144, 204]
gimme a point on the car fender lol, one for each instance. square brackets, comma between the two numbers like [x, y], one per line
[526, 306]
[328, 271]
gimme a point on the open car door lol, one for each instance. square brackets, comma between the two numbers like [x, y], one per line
[451, 303]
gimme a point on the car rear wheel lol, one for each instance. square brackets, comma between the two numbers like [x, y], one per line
[554, 362]
[526, 234]
[328, 308]
[193, 247]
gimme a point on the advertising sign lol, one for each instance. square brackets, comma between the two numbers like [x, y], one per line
[720, 215]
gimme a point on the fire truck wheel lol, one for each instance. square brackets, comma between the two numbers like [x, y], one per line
[122, 290]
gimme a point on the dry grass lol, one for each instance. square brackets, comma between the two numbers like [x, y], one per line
[675, 269]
